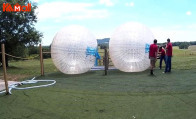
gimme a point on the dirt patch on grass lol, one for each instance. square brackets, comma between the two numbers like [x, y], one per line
[14, 77]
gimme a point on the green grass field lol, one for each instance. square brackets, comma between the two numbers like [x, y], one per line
[92, 95]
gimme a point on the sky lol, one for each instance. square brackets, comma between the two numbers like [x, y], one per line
[174, 19]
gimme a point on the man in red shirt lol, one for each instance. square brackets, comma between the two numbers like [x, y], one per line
[153, 55]
[168, 56]
[162, 56]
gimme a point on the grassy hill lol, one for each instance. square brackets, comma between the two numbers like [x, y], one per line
[92, 95]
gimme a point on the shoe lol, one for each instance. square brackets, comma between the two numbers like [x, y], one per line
[151, 72]
[163, 72]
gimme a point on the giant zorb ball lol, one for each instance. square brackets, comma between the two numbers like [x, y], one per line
[73, 50]
[129, 47]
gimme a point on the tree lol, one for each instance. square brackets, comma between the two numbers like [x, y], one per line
[46, 49]
[17, 28]
[176, 43]
[184, 45]
[33, 50]
[193, 43]
[104, 45]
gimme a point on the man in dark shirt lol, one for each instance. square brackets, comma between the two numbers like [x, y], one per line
[168, 56]
[153, 55]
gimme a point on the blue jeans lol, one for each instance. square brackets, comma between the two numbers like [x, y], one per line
[168, 64]
[161, 59]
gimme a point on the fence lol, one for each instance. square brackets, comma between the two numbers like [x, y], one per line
[104, 61]
[4, 68]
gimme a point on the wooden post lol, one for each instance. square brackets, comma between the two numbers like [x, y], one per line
[106, 60]
[41, 60]
[4, 68]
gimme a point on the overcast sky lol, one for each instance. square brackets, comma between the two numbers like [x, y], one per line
[174, 19]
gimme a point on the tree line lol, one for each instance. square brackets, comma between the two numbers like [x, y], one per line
[184, 45]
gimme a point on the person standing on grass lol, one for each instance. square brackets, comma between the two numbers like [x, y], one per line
[168, 56]
[162, 56]
[153, 55]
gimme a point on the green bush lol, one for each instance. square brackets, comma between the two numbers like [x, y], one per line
[184, 45]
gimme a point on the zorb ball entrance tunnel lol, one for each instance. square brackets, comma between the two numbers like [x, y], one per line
[74, 50]
[129, 47]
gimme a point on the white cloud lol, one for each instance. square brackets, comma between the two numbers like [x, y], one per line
[68, 10]
[101, 35]
[192, 26]
[36, 1]
[188, 13]
[175, 33]
[131, 4]
[106, 2]
[88, 14]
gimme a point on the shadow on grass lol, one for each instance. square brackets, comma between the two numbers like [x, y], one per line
[60, 75]
[11, 67]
